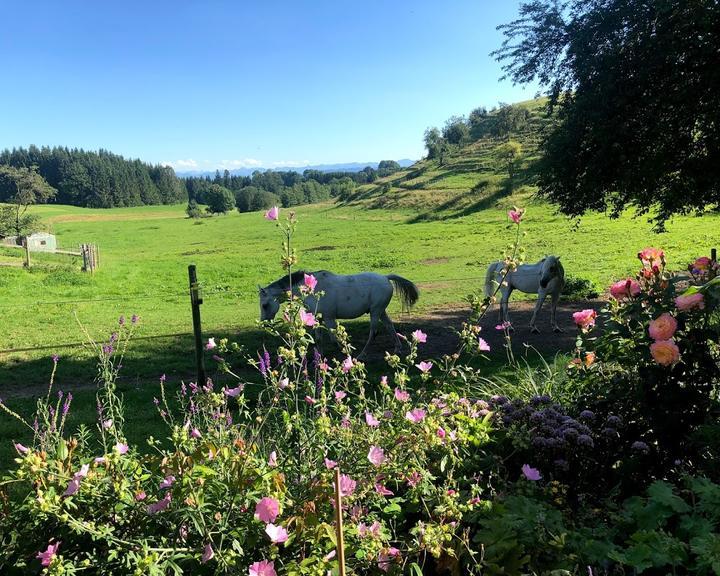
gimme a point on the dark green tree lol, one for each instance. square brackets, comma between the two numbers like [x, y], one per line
[436, 145]
[193, 210]
[636, 87]
[219, 200]
[28, 188]
[456, 131]
[387, 167]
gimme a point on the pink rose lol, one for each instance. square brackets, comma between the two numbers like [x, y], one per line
[690, 302]
[625, 289]
[651, 255]
[585, 319]
[663, 327]
[665, 352]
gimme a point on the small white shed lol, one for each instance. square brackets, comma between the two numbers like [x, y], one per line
[42, 242]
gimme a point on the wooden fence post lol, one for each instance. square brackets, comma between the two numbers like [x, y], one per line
[195, 301]
[339, 523]
[26, 245]
[713, 254]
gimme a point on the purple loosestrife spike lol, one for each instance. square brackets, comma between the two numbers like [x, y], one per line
[55, 358]
[262, 367]
[266, 357]
[60, 394]
[135, 318]
[121, 321]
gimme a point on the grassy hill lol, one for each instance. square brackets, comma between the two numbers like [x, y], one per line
[471, 178]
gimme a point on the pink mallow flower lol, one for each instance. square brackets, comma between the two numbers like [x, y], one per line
[272, 459]
[373, 530]
[419, 336]
[665, 352]
[371, 421]
[376, 456]
[210, 344]
[690, 302]
[483, 346]
[339, 395]
[310, 282]
[663, 327]
[515, 216]
[307, 318]
[48, 555]
[160, 504]
[195, 433]
[382, 490]
[234, 392]
[347, 485]
[21, 449]
[402, 395]
[387, 558]
[347, 364]
[167, 482]
[273, 213]
[262, 568]
[531, 473]
[625, 289]
[277, 534]
[121, 448]
[267, 510]
[415, 415]
[330, 464]
[585, 319]
[208, 553]
[441, 432]
[424, 367]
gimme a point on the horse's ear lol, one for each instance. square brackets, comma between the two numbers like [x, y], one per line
[261, 290]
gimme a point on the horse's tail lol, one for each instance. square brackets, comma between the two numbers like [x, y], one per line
[490, 281]
[408, 292]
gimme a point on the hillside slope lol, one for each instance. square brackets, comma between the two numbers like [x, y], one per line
[471, 178]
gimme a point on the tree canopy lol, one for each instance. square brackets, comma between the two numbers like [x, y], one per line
[636, 87]
[25, 187]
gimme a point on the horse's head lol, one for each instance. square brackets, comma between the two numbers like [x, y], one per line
[551, 268]
[269, 304]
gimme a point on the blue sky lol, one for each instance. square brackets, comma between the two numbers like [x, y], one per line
[202, 85]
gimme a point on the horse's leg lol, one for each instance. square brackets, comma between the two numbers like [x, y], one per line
[504, 304]
[331, 324]
[538, 305]
[553, 307]
[391, 330]
[371, 336]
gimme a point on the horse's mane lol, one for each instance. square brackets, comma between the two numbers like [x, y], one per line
[282, 283]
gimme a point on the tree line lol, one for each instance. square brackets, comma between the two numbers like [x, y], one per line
[94, 179]
[264, 189]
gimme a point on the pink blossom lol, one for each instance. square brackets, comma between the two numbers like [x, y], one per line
[414, 479]
[47, 556]
[651, 255]
[665, 352]
[195, 433]
[373, 530]
[121, 448]
[531, 473]
[310, 400]
[483, 346]
[273, 213]
[73, 487]
[382, 490]
[702, 263]
[167, 482]
[347, 364]
[107, 424]
[371, 421]
[415, 415]
[100, 460]
[330, 464]
[402, 395]
[140, 496]
[307, 318]
[663, 327]
[347, 485]
[272, 459]
[310, 281]
[160, 504]
[277, 534]
[419, 336]
[376, 455]
[267, 510]
[383, 380]
[440, 432]
[284, 383]
[387, 558]
[690, 302]
[210, 344]
[625, 289]
[515, 216]
[585, 319]
[339, 395]
[330, 555]
[21, 449]
[208, 553]
[262, 568]
[234, 392]
[424, 367]
[504, 326]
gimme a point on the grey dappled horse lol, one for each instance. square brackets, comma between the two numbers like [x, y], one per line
[344, 297]
[542, 278]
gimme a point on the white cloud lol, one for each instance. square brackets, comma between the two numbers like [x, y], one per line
[290, 163]
[188, 164]
[241, 163]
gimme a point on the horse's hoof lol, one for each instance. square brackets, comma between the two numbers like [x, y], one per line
[534, 330]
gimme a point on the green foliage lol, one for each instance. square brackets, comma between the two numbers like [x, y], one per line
[96, 179]
[193, 210]
[219, 200]
[637, 95]
[579, 288]
[22, 188]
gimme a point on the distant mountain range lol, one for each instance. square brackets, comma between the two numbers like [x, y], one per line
[346, 167]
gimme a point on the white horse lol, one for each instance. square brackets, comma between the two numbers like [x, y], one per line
[344, 297]
[543, 278]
